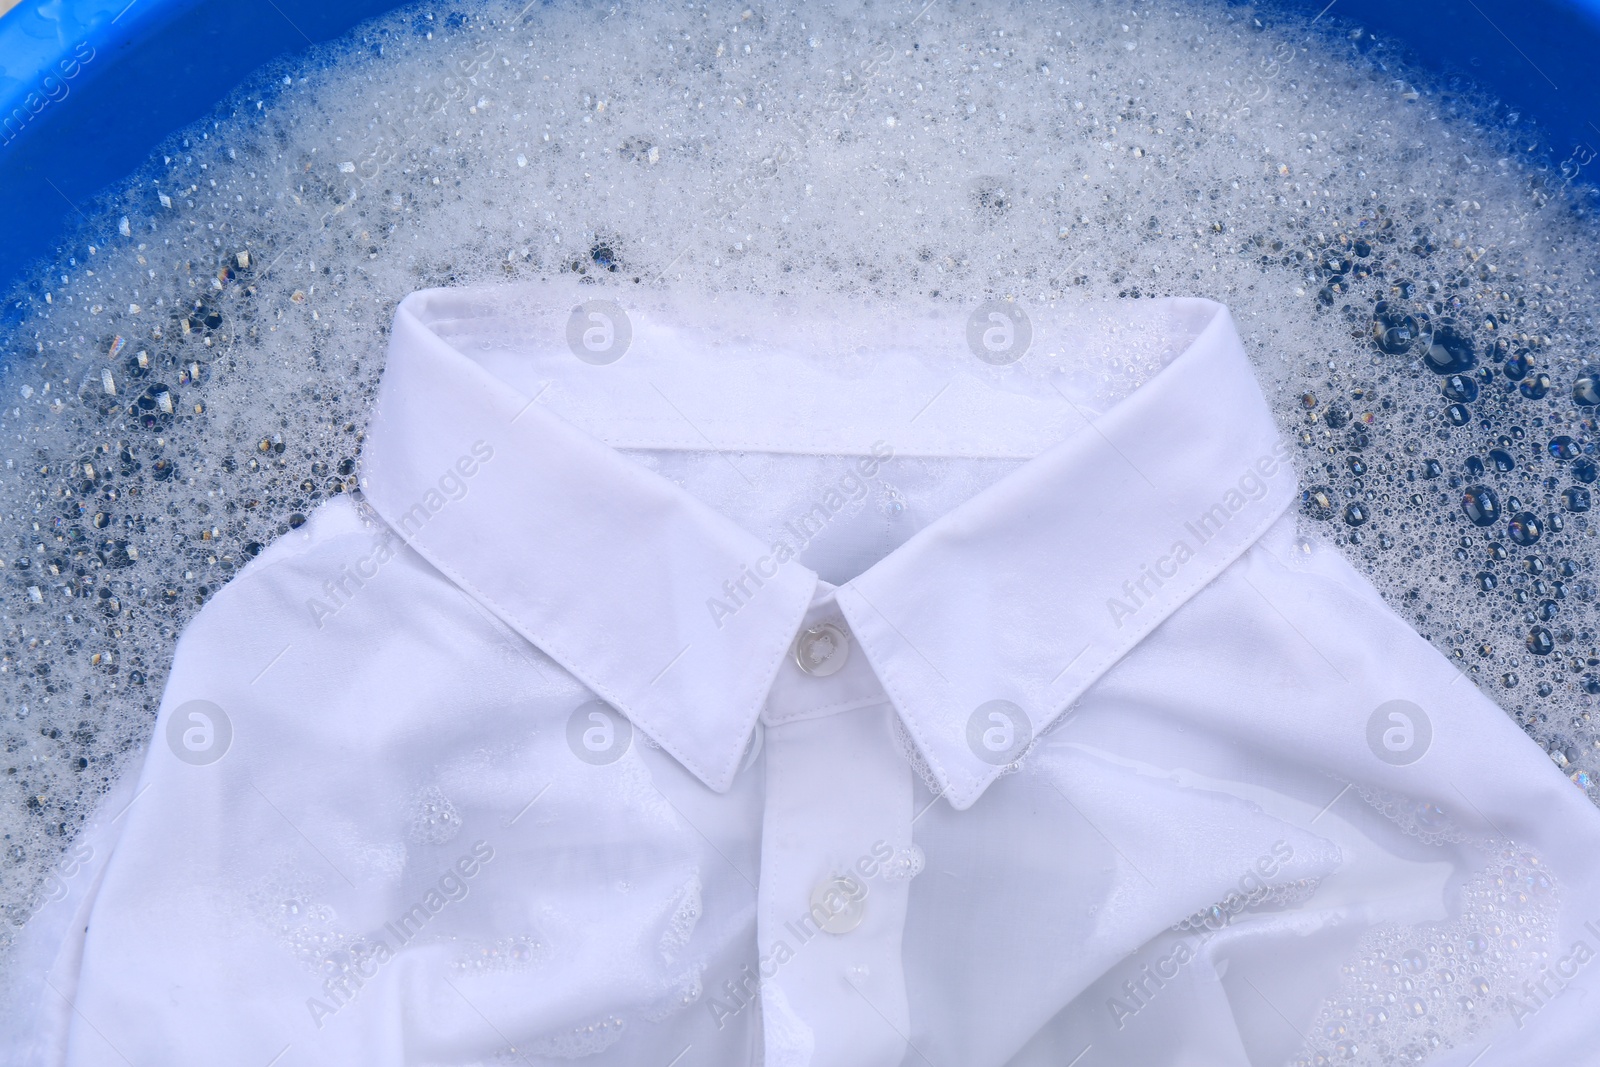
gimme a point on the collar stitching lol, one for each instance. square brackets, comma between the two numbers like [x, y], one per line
[774, 446]
[824, 710]
[886, 675]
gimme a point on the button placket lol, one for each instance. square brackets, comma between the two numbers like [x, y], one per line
[838, 807]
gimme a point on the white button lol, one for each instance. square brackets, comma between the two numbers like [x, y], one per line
[839, 904]
[822, 650]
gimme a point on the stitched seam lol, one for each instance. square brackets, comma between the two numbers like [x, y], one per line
[774, 446]
[692, 444]
[777, 660]
[886, 675]
[824, 710]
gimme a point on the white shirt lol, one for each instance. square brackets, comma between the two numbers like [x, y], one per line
[728, 682]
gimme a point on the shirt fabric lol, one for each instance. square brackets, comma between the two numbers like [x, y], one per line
[728, 681]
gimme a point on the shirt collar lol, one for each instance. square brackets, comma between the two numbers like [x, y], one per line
[493, 450]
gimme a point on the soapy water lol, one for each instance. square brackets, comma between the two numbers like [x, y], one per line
[1409, 267]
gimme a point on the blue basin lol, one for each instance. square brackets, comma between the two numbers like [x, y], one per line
[89, 87]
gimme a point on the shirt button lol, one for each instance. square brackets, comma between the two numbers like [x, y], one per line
[839, 904]
[822, 650]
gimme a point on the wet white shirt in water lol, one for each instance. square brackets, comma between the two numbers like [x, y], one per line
[729, 682]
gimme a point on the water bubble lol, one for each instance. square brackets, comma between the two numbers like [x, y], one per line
[1394, 331]
[1481, 505]
[1449, 351]
[1525, 528]
[1564, 447]
[1461, 387]
[1318, 502]
[154, 408]
[1431, 817]
[604, 256]
[1586, 390]
[1535, 386]
[434, 819]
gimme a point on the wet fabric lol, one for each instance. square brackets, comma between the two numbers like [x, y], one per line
[723, 681]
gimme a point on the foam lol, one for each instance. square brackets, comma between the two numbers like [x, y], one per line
[235, 293]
